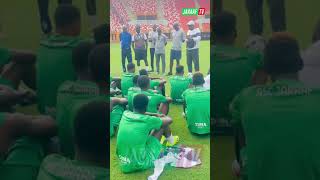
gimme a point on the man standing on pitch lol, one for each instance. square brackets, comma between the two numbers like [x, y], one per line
[125, 41]
[193, 39]
[178, 37]
[161, 42]
[140, 46]
[152, 37]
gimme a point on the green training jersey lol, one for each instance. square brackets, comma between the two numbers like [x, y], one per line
[132, 91]
[54, 66]
[178, 85]
[233, 70]
[154, 84]
[197, 101]
[281, 127]
[70, 94]
[154, 100]
[115, 117]
[136, 149]
[57, 167]
[23, 160]
[126, 83]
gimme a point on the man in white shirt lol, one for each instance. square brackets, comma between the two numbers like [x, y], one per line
[161, 42]
[152, 42]
[193, 40]
[140, 46]
[178, 37]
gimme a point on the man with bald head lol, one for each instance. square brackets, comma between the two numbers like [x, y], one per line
[152, 36]
[125, 41]
[178, 37]
[140, 46]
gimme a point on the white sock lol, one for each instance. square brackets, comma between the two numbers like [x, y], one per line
[93, 20]
[147, 68]
[170, 139]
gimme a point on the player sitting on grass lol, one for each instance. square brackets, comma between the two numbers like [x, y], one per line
[133, 90]
[126, 79]
[179, 83]
[54, 58]
[117, 107]
[70, 92]
[139, 135]
[197, 106]
[234, 67]
[155, 83]
[157, 103]
[19, 137]
[91, 143]
[268, 117]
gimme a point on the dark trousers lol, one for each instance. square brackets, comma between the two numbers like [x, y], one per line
[126, 54]
[152, 50]
[193, 56]
[45, 21]
[277, 15]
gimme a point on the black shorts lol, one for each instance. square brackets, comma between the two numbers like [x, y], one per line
[174, 54]
[140, 54]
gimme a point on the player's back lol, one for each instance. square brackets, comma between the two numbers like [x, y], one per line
[281, 126]
[57, 167]
[178, 85]
[233, 70]
[23, 160]
[126, 83]
[54, 66]
[197, 101]
[71, 94]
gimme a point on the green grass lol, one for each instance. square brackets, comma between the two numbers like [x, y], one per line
[301, 19]
[179, 126]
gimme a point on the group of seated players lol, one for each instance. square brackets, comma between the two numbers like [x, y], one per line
[274, 113]
[67, 79]
[140, 114]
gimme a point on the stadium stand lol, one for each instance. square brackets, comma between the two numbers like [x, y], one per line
[162, 12]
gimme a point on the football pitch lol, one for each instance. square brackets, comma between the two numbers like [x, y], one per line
[301, 19]
[178, 126]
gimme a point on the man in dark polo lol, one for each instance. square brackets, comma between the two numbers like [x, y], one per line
[125, 41]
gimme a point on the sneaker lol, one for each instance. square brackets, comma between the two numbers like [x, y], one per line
[164, 141]
[256, 43]
[169, 74]
[190, 74]
[151, 70]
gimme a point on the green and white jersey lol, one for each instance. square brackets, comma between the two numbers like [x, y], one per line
[126, 83]
[57, 167]
[154, 100]
[132, 91]
[197, 101]
[54, 66]
[281, 127]
[71, 94]
[136, 149]
[233, 70]
[178, 85]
